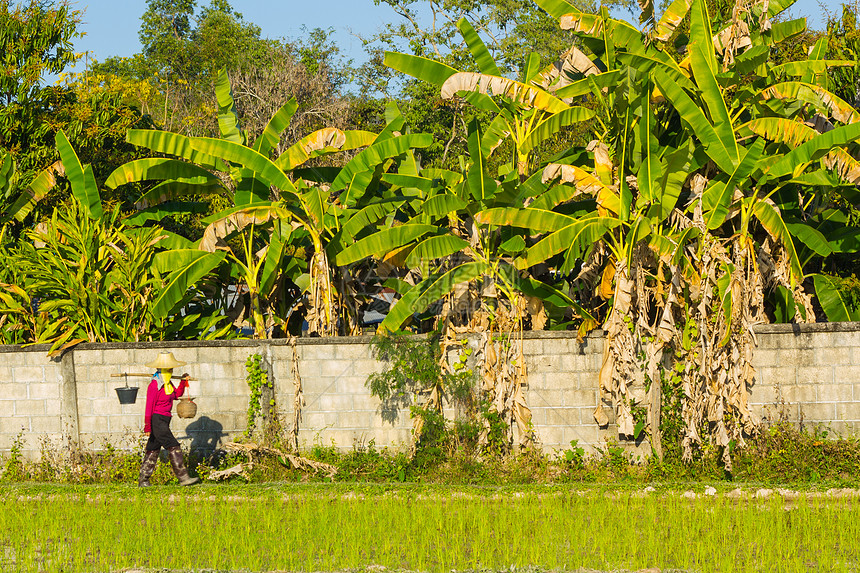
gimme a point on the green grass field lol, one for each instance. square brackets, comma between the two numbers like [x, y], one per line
[336, 527]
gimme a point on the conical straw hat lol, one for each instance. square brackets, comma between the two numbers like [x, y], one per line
[165, 360]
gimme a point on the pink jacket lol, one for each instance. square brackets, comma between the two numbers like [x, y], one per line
[159, 402]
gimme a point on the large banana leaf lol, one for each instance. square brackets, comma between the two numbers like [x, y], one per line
[692, 114]
[268, 140]
[796, 160]
[591, 84]
[481, 186]
[170, 143]
[159, 168]
[44, 182]
[172, 190]
[703, 62]
[672, 17]
[441, 205]
[190, 265]
[327, 138]
[788, 131]
[83, 183]
[585, 183]
[651, 168]
[223, 225]
[834, 305]
[378, 153]
[818, 97]
[383, 241]
[723, 192]
[435, 248]
[247, 157]
[228, 119]
[574, 238]
[479, 50]
[557, 8]
[422, 68]
[552, 125]
[519, 92]
[277, 247]
[809, 67]
[771, 219]
[535, 220]
[428, 291]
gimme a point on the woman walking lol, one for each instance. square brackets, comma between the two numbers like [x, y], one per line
[159, 402]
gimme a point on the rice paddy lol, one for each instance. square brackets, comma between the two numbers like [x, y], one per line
[319, 529]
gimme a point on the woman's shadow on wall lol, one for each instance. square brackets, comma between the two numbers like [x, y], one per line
[206, 435]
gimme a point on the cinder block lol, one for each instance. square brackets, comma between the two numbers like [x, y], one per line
[45, 424]
[7, 409]
[28, 374]
[796, 356]
[532, 347]
[232, 404]
[102, 373]
[212, 387]
[365, 402]
[349, 385]
[30, 408]
[309, 369]
[562, 417]
[357, 420]
[848, 412]
[123, 358]
[5, 375]
[546, 398]
[584, 435]
[815, 375]
[13, 391]
[834, 392]
[765, 357]
[556, 347]
[538, 415]
[547, 364]
[834, 356]
[43, 391]
[577, 362]
[336, 402]
[550, 437]
[352, 352]
[820, 412]
[560, 381]
[581, 398]
[10, 425]
[128, 424]
[799, 393]
[87, 357]
[92, 425]
[776, 376]
[316, 352]
[762, 394]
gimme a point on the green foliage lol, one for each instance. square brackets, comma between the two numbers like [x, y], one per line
[257, 378]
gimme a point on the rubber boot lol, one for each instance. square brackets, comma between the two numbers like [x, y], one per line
[175, 455]
[150, 458]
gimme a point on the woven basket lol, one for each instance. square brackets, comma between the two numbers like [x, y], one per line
[186, 407]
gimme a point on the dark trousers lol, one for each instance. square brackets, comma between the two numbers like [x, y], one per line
[160, 436]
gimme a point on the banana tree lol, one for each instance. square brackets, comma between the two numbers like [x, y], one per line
[290, 202]
[710, 249]
[85, 275]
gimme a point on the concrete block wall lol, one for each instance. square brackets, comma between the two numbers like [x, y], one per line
[806, 373]
[809, 374]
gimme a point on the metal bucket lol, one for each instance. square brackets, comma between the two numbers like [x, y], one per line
[186, 407]
[127, 394]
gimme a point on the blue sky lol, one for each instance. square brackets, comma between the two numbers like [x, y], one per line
[111, 25]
